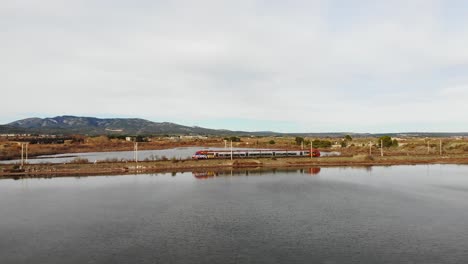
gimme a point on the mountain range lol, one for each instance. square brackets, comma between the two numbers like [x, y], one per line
[98, 126]
[105, 126]
[67, 125]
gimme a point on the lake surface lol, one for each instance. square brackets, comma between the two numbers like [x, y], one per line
[400, 214]
[178, 153]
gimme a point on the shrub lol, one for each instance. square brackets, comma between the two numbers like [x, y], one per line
[321, 143]
[387, 142]
[79, 160]
[362, 157]
[299, 140]
[235, 139]
[140, 138]
[111, 160]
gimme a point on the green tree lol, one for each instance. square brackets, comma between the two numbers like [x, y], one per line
[272, 142]
[299, 140]
[140, 139]
[387, 142]
[344, 144]
[234, 139]
[348, 138]
[321, 143]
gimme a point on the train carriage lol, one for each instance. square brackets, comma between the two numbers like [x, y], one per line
[253, 153]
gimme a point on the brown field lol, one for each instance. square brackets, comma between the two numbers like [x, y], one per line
[356, 153]
[110, 168]
[407, 146]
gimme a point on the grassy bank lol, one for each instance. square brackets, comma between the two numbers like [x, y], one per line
[110, 168]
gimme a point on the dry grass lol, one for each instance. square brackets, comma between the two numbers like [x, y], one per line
[359, 146]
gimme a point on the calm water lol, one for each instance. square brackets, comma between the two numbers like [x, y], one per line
[178, 153]
[182, 153]
[404, 214]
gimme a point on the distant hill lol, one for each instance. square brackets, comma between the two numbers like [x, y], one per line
[5, 129]
[67, 125]
[98, 126]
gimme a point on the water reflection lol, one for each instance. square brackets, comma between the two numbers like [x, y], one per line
[314, 171]
[210, 174]
[399, 214]
[204, 175]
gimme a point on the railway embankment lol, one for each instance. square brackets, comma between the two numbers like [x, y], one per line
[119, 168]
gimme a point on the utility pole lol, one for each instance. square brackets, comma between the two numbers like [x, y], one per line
[225, 144]
[231, 149]
[27, 146]
[302, 145]
[135, 152]
[428, 148]
[381, 148]
[22, 155]
[370, 148]
[440, 146]
[311, 149]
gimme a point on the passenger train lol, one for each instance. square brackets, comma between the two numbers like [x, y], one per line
[254, 153]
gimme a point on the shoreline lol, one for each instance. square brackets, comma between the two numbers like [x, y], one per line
[144, 167]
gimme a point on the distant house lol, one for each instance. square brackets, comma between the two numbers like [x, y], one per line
[174, 138]
[114, 130]
[336, 145]
[128, 138]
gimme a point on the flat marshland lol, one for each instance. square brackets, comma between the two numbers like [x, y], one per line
[219, 164]
[353, 152]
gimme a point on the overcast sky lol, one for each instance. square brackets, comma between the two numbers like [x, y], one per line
[288, 66]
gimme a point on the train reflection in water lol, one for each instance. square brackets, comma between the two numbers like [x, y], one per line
[202, 175]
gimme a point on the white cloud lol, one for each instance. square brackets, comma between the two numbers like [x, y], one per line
[325, 65]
